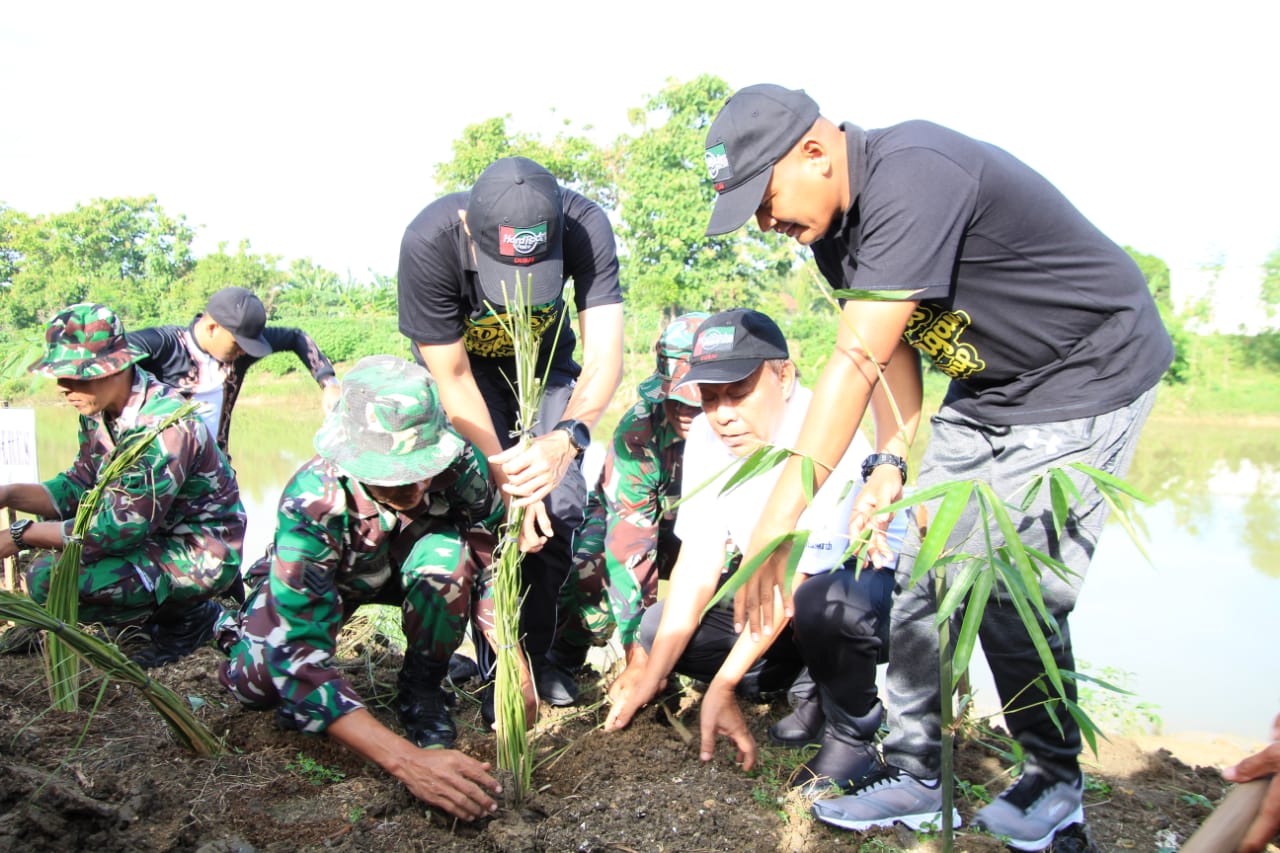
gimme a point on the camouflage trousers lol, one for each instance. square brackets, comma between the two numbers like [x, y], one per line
[599, 594]
[433, 586]
[128, 588]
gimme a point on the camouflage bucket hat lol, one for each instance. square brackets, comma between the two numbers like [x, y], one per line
[85, 341]
[673, 349]
[389, 428]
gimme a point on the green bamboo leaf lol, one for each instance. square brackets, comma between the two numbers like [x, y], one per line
[1060, 503]
[1013, 545]
[760, 460]
[1099, 476]
[1088, 729]
[1127, 520]
[968, 637]
[1012, 579]
[1033, 489]
[1066, 484]
[918, 497]
[1105, 685]
[958, 587]
[1058, 567]
[730, 587]
[806, 478]
[956, 498]
[874, 295]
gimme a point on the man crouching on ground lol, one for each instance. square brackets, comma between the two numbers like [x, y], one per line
[395, 508]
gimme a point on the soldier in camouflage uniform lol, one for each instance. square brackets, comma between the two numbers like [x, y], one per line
[628, 541]
[395, 508]
[167, 535]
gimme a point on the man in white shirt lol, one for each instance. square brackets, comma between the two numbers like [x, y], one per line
[752, 398]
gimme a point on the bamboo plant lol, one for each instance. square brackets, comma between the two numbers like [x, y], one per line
[61, 664]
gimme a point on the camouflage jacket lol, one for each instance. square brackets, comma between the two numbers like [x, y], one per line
[639, 480]
[334, 549]
[181, 486]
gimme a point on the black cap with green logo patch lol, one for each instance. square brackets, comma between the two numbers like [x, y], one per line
[755, 129]
[515, 215]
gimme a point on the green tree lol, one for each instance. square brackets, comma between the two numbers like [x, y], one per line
[257, 273]
[1270, 283]
[1156, 272]
[665, 200]
[124, 252]
[573, 158]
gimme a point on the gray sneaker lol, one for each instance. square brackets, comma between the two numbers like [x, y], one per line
[887, 797]
[1032, 810]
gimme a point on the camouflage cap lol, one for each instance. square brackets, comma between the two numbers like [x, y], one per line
[85, 341]
[388, 428]
[673, 348]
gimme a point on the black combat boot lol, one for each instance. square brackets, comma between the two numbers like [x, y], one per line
[804, 725]
[848, 750]
[423, 707]
[556, 674]
[177, 631]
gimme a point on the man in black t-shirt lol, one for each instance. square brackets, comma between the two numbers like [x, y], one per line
[461, 259]
[1054, 348]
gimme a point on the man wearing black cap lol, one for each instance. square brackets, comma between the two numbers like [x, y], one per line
[207, 361]
[461, 260]
[1054, 348]
[751, 397]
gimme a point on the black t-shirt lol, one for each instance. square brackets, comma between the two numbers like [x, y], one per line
[440, 300]
[1031, 310]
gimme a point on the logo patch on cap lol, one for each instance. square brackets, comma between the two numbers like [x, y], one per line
[522, 241]
[718, 163]
[712, 342]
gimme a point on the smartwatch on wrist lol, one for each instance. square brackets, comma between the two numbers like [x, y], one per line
[17, 530]
[579, 433]
[875, 460]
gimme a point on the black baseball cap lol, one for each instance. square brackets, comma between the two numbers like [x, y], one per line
[754, 129]
[731, 345]
[516, 215]
[242, 314]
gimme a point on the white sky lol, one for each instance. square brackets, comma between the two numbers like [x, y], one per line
[312, 128]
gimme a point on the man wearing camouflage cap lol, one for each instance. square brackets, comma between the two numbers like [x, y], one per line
[628, 540]
[395, 508]
[167, 535]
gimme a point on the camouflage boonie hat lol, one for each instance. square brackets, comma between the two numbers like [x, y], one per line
[85, 341]
[388, 428]
[673, 349]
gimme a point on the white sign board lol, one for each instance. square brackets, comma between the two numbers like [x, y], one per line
[18, 446]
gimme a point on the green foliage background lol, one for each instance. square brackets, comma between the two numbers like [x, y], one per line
[136, 257]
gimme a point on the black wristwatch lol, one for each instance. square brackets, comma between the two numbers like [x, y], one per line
[875, 460]
[579, 433]
[17, 529]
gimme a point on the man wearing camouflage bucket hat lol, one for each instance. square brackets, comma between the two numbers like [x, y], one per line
[395, 508]
[628, 542]
[167, 535]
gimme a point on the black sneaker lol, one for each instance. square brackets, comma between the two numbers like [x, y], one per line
[171, 641]
[1031, 811]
